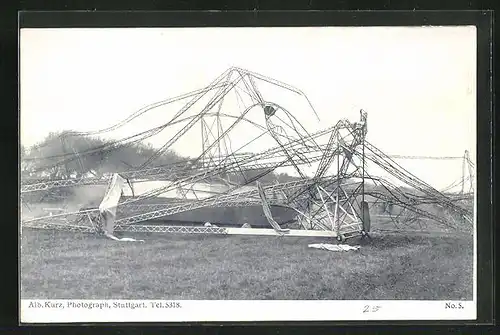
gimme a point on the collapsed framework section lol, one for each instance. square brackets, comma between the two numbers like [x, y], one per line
[247, 142]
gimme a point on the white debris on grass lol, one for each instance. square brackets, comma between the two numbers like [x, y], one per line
[123, 239]
[334, 247]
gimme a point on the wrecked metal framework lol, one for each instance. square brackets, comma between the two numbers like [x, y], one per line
[333, 200]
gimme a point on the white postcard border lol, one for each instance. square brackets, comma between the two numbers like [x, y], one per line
[117, 311]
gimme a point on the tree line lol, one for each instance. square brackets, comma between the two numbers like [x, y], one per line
[64, 155]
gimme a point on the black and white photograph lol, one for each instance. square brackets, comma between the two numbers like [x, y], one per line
[247, 173]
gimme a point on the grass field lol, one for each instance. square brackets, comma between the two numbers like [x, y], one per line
[62, 265]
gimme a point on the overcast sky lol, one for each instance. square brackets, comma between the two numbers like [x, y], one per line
[418, 85]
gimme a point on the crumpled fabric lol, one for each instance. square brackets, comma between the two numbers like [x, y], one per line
[107, 208]
[334, 247]
[123, 239]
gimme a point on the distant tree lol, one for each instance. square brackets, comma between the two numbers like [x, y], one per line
[61, 155]
[25, 166]
[64, 155]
